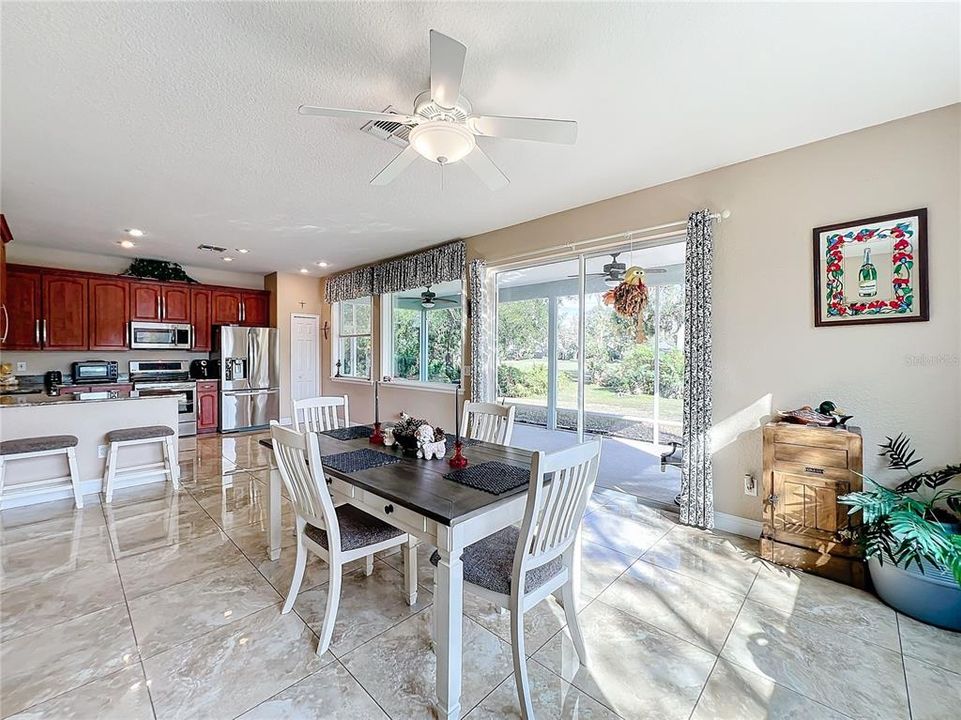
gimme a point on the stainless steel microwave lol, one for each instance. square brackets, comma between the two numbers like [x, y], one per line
[160, 336]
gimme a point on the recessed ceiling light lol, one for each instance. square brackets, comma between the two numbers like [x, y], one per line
[321, 264]
[243, 251]
[134, 232]
[127, 244]
[228, 259]
[304, 270]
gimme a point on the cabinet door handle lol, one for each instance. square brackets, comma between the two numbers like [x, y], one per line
[126, 334]
[44, 331]
[243, 311]
[36, 331]
[6, 323]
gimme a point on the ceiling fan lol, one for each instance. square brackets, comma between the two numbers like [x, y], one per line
[613, 272]
[429, 299]
[443, 126]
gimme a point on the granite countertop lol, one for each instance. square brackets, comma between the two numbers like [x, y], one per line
[41, 398]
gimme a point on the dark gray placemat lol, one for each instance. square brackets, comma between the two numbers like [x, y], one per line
[350, 433]
[357, 460]
[451, 439]
[493, 477]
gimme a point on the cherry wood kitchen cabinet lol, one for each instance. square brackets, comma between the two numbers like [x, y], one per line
[23, 308]
[207, 402]
[107, 316]
[225, 308]
[200, 318]
[176, 304]
[156, 302]
[63, 325]
[5, 237]
[255, 309]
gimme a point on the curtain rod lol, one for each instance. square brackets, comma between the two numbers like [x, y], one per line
[601, 243]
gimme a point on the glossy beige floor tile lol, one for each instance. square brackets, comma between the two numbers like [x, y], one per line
[862, 679]
[935, 692]
[39, 522]
[279, 573]
[691, 610]
[182, 612]
[425, 571]
[635, 669]
[844, 608]
[368, 606]
[242, 503]
[551, 697]
[228, 671]
[600, 566]
[399, 669]
[161, 523]
[329, 694]
[627, 535]
[61, 598]
[29, 561]
[933, 645]
[44, 664]
[541, 622]
[734, 693]
[121, 696]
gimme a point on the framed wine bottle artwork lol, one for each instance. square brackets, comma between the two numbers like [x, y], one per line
[872, 271]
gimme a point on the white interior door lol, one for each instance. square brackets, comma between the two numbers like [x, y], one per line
[304, 356]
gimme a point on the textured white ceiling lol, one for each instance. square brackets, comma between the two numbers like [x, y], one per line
[180, 118]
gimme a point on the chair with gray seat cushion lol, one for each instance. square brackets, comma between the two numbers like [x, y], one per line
[516, 568]
[143, 435]
[34, 447]
[338, 535]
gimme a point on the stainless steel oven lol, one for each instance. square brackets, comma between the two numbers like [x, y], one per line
[160, 336]
[168, 377]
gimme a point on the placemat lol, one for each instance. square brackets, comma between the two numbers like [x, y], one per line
[492, 477]
[451, 439]
[357, 460]
[350, 433]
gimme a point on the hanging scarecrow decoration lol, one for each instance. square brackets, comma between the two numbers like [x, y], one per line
[630, 298]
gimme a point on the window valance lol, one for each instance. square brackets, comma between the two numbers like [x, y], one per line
[350, 285]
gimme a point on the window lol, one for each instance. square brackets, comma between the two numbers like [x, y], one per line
[352, 339]
[424, 343]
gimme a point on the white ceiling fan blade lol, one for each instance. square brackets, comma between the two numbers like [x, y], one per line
[358, 114]
[524, 128]
[446, 69]
[478, 161]
[395, 167]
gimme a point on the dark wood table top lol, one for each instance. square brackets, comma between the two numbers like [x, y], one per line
[420, 485]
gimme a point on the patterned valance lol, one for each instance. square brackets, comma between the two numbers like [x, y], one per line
[350, 285]
[430, 267]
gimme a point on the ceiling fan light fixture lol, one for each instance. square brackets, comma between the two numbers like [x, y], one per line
[427, 304]
[612, 282]
[442, 142]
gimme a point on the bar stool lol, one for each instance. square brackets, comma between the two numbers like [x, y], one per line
[43, 446]
[128, 437]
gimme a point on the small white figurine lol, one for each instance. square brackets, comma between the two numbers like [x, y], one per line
[389, 437]
[428, 447]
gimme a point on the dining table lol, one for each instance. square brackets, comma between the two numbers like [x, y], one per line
[413, 495]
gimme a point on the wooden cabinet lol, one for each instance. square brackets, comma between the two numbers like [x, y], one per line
[200, 318]
[224, 307]
[175, 302]
[806, 469]
[156, 302]
[208, 397]
[255, 309]
[107, 316]
[23, 309]
[5, 237]
[64, 307]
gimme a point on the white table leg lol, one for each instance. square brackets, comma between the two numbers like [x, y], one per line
[448, 645]
[273, 513]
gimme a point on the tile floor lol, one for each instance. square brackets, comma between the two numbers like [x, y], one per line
[164, 605]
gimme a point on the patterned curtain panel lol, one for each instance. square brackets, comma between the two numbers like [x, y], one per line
[697, 481]
[480, 332]
[437, 265]
[350, 285]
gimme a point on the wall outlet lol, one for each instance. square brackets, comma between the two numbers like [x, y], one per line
[101, 451]
[750, 486]
[21, 366]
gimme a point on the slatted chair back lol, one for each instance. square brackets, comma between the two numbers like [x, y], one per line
[298, 459]
[319, 414]
[561, 485]
[488, 422]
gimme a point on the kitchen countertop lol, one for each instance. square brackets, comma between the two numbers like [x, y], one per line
[41, 398]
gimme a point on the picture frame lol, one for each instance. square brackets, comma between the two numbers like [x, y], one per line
[850, 288]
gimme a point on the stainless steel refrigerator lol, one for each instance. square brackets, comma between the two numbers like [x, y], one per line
[249, 376]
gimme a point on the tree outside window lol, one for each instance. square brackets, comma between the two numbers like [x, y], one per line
[354, 338]
[426, 342]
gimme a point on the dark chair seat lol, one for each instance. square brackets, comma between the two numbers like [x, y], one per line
[357, 529]
[37, 444]
[490, 563]
[145, 432]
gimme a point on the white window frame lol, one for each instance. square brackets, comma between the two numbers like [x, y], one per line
[387, 348]
[335, 345]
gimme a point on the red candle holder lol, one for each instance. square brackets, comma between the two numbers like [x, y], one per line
[377, 437]
[458, 461]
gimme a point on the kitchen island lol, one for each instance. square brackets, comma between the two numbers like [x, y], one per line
[88, 416]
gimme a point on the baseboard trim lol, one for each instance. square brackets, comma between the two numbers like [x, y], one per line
[737, 525]
[92, 486]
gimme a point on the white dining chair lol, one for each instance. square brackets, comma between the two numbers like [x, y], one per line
[319, 414]
[488, 422]
[338, 535]
[518, 568]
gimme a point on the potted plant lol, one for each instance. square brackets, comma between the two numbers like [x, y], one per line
[911, 537]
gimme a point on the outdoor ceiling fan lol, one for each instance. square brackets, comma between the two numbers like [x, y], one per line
[429, 299]
[443, 126]
[613, 272]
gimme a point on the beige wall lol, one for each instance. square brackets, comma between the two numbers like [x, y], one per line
[767, 351]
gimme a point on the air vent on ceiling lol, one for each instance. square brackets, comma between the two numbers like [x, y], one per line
[212, 248]
[392, 132]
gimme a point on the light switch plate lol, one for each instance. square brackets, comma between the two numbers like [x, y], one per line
[750, 485]
[101, 451]
[21, 367]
